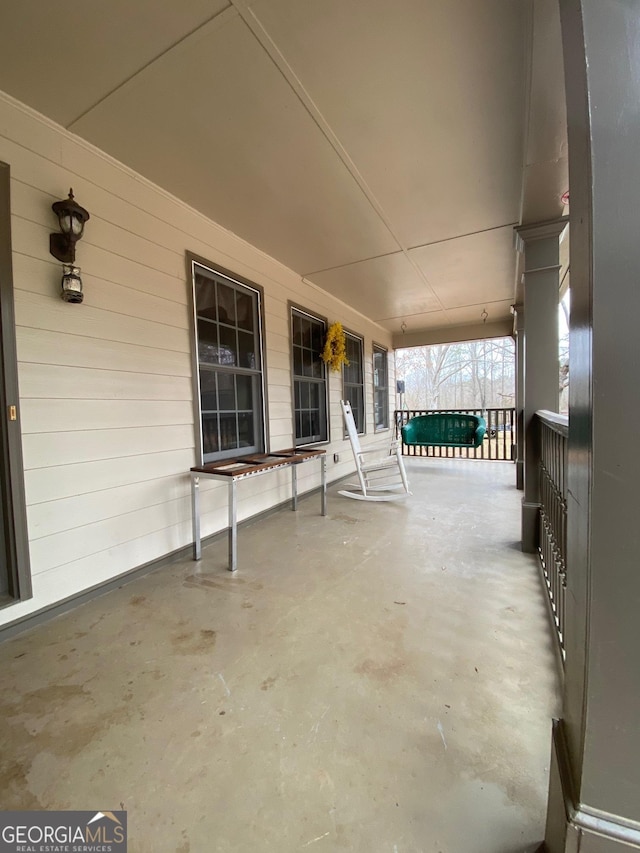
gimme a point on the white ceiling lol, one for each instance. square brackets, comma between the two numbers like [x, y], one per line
[383, 149]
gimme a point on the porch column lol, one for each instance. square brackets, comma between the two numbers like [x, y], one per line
[518, 334]
[594, 797]
[541, 246]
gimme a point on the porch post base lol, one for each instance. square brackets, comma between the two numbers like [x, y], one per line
[520, 474]
[574, 828]
[530, 522]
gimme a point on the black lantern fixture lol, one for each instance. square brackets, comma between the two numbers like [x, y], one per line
[62, 246]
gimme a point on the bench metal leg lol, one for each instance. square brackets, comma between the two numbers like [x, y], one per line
[323, 487]
[294, 487]
[233, 527]
[195, 517]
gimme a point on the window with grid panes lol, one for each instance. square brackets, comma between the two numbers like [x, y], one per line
[353, 379]
[229, 353]
[380, 387]
[309, 377]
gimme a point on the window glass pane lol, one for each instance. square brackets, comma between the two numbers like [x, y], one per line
[228, 346]
[244, 386]
[317, 368]
[228, 432]
[306, 332]
[246, 350]
[226, 392]
[297, 330]
[306, 424]
[317, 339]
[210, 433]
[297, 361]
[314, 428]
[207, 342]
[205, 294]
[208, 397]
[244, 311]
[245, 429]
[307, 362]
[377, 366]
[226, 304]
[356, 404]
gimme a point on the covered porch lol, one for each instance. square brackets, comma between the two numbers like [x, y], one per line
[381, 679]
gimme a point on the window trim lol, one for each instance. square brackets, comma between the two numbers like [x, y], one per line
[379, 348]
[291, 307]
[350, 333]
[191, 261]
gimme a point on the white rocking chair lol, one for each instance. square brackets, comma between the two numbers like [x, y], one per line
[380, 468]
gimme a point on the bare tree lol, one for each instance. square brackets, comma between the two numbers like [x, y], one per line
[474, 374]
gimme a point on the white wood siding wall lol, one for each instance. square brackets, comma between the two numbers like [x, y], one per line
[105, 387]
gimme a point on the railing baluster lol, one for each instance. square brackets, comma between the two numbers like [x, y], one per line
[553, 512]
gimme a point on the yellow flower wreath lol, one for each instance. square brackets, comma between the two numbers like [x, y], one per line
[335, 347]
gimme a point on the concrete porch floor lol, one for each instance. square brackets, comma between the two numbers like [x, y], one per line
[378, 680]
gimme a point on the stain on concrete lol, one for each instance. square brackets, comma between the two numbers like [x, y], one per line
[137, 600]
[268, 682]
[193, 642]
[381, 670]
[56, 720]
[197, 581]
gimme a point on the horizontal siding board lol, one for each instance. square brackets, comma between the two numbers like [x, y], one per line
[50, 415]
[52, 314]
[42, 346]
[46, 449]
[279, 394]
[278, 376]
[34, 205]
[55, 516]
[53, 483]
[101, 202]
[32, 240]
[96, 569]
[70, 545]
[43, 277]
[85, 383]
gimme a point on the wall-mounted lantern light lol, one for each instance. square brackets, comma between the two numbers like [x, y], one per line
[62, 246]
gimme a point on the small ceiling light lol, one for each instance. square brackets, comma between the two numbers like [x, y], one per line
[403, 327]
[564, 198]
[484, 315]
[71, 219]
